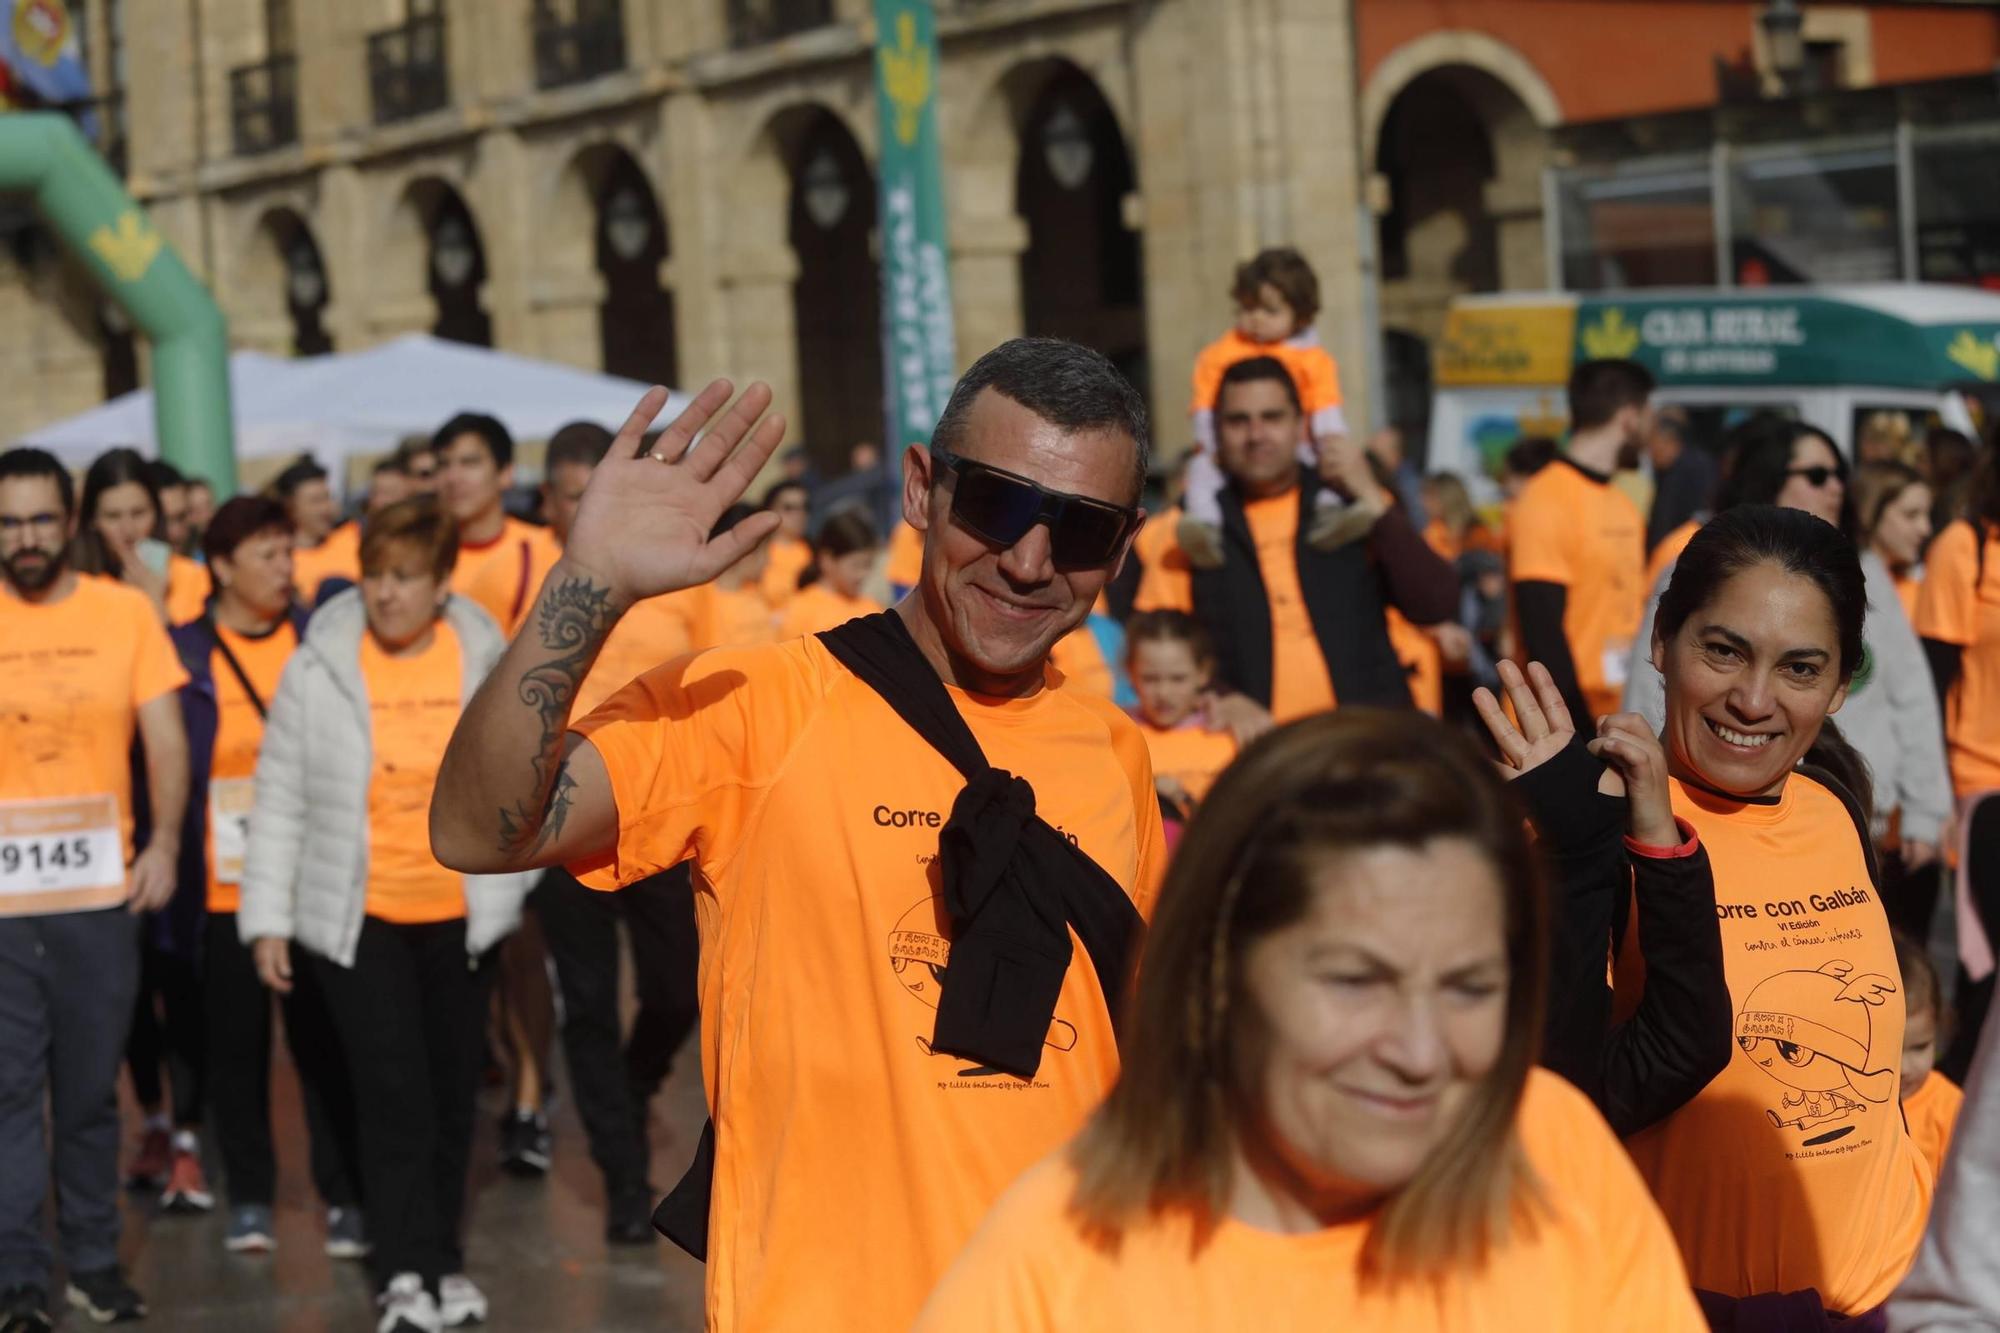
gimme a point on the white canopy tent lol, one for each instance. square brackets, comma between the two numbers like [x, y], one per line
[361, 404]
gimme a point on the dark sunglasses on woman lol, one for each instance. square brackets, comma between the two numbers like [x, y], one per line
[1818, 475]
[999, 506]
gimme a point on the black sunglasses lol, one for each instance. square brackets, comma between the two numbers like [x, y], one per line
[1818, 475]
[998, 506]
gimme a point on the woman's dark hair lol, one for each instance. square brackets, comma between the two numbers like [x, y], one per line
[844, 532]
[1285, 814]
[1757, 461]
[1749, 535]
[118, 467]
[1530, 454]
[241, 519]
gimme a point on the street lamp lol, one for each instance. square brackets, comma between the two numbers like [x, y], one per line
[628, 223]
[1066, 147]
[1784, 37]
[826, 191]
[452, 255]
[304, 280]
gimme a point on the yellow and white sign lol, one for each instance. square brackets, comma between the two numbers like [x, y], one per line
[1505, 345]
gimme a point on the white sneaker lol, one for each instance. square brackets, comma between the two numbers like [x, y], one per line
[407, 1307]
[459, 1302]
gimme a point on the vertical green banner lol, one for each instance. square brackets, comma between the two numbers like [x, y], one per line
[920, 354]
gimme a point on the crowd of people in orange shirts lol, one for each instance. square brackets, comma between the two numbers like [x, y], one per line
[1370, 905]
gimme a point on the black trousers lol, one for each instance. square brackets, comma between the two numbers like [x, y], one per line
[168, 1027]
[613, 1089]
[239, 1084]
[411, 1014]
[1973, 999]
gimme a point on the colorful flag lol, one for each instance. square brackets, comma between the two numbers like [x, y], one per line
[920, 353]
[43, 57]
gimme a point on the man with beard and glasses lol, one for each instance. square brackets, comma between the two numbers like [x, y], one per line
[87, 664]
[1577, 544]
[900, 830]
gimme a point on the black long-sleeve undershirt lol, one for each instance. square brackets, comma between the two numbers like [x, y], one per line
[1540, 607]
[1679, 1038]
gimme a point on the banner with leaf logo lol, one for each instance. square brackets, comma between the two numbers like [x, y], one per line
[920, 352]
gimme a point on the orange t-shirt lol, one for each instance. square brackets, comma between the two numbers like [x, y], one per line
[1301, 685]
[1932, 1111]
[1667, 552]
[1166, 579]
[1190, 754]
[1080, 659]
[1951, 610]
[1422, 659]
[788, 560]
[904, 567]
[1587, 535]
[1792, 1168]
[413, 704]
[720, 617]
[504, 575]
[821, 608]
[338, 557]
[239, 731]
[1310, 365]
[1596, 1257]
[188, 586]
[73, 675]
[811, 813]
[652, 633]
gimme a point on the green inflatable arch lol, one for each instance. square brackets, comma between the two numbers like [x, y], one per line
[43, 155]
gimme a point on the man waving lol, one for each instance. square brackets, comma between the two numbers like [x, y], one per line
[920, 862]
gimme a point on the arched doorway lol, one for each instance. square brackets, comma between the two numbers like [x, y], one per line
[637, 318]
[454, 263]
[306, 290]
[838, 295]
[1081, 275]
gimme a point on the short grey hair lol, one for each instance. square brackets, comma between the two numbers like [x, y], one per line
[1063, 383]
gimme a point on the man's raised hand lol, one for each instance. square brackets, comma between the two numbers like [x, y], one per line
[643, 523]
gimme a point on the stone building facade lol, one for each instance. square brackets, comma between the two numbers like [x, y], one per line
[677, 189]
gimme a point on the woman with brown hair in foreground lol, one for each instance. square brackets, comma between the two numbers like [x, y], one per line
[1329, 1108]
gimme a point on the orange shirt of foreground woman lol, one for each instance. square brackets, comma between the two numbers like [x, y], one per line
[844, 554]
[1349, 1129]
[811, 815]
[1792, 1169]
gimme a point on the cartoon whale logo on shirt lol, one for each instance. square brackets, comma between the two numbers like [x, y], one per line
[1813, 1032]
[918, 954]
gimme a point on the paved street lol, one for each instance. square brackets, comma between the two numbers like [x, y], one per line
[536, 1247]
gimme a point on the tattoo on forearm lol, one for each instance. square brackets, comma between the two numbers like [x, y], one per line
[571, 622]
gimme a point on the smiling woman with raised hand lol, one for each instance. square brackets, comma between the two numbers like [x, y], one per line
[1330, 1114]
[1792, 1172]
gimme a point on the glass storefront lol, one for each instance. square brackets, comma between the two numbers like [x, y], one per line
[1649, 227]
[1922, 204]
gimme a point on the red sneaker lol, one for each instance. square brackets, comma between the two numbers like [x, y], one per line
[187, 1187]
[149, 1168]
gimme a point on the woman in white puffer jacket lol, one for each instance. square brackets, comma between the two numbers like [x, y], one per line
[339, 863]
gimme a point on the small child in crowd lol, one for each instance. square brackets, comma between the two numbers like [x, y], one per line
[1277, 299]
[1930, 1100]
[1172, 664]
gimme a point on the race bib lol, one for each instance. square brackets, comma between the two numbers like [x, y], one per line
[229, 801]
[60, 847]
